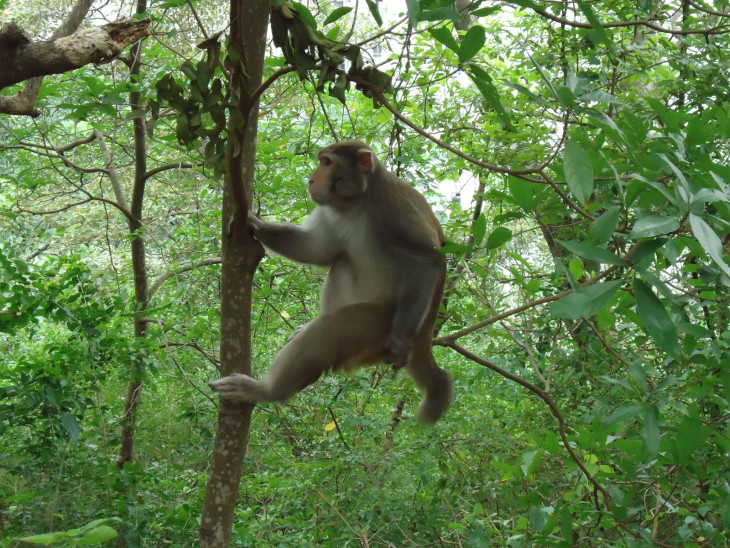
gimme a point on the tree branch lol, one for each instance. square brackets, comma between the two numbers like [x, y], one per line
[167, 275]
[718, 29]
[22, 59]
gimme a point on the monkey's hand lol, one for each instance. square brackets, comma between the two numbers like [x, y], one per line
[398, 351]
[254, 224]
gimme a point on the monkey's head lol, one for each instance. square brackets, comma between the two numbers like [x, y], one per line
[343, 173]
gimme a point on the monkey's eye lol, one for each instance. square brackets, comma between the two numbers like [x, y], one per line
[325, 161]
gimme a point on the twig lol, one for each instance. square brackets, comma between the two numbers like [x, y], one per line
[363, 539]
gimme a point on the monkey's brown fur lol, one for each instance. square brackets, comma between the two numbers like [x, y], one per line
[380, 240]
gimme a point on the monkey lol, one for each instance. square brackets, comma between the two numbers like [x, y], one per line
[380, 240]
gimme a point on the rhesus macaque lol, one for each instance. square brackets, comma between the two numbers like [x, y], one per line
[381, 241]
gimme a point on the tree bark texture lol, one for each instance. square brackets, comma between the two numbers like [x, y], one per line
[21, 59]
[241, 255]
[23, 102]
[139, 259]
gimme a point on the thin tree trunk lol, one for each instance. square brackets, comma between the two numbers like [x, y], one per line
[241, 255]
[139, 266]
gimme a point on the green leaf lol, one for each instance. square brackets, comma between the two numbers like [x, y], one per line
[604, 226]
[444, 35]
[593, 20]
[530, 461]
[375, 12]
[499, 237]
[97, 535]
[71, 425]
[522, 192]
[439, 14]
[650, 430]
[690, 437]
[647, 249]
[479, 229]
[305, 14]
[592, 253]
[624, 413]
[414, 10]
[656, 320]
[585, 301]
[575, 267]
[653, 225]
[48, 538]
[526, 4]
[537, 518]
[484, 12]
[578, 170]
[471, 43]
[453, 248]
[336, 14]
[486, 86]
[709, 241]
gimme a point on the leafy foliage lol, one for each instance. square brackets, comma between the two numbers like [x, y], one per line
[586, 202]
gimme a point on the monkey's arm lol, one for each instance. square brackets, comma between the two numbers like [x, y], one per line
[310, 243]
[422, 275]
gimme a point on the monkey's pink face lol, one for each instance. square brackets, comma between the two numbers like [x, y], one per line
[320, 182]
[340, 178]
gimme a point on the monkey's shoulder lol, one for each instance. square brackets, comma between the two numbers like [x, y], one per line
[406, 216]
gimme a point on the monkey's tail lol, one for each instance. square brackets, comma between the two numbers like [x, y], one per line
[436, 385]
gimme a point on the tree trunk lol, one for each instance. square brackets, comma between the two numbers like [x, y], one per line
[139, 266]
[241, 255]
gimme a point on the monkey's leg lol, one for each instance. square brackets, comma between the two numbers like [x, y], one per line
[345, 338]
[435, 383]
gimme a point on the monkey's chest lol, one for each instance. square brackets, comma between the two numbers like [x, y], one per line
[356, 280]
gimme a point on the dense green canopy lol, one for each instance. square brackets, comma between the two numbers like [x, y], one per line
[576, 154]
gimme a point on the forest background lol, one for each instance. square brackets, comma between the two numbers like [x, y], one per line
[576, 153]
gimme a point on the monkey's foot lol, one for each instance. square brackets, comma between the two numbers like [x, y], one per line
[398, 353]
[240, 388]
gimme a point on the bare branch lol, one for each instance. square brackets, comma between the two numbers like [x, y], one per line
[167, 275]
[380, 96]
[718, 29]
[166, 167]
[111, 170]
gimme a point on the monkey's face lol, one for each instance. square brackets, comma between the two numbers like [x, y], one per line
[337, 180]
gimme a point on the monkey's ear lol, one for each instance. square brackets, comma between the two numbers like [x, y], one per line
[365, 160]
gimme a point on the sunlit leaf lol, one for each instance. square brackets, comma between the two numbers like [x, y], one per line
[471, 43]
[375, 12]
[499, 237]
[486, 87]
[337, 14]
[522, 192]
[578, 170]
[480, 229]
[653, 225]
[444, 35]
[585, 301]
[709, 241]
[97, 535]
[592, 253]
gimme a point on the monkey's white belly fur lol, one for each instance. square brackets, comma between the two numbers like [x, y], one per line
[355, 277]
